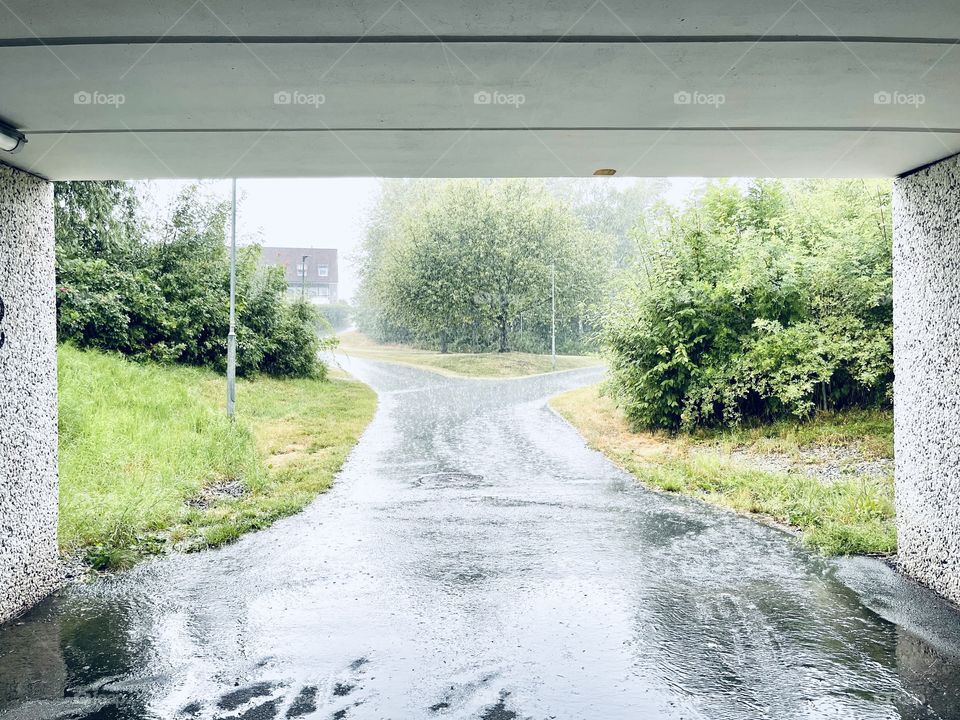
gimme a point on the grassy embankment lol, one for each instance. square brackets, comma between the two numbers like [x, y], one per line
[482, 365]
[149, 462]
[847, 514]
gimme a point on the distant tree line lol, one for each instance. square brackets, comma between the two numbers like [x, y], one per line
[755, 304]
[470, 265]
[160, 291]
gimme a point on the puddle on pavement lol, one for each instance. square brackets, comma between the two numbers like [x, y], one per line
[451, 479]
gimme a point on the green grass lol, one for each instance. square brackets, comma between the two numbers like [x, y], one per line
[870, 431]
[303, 430]
[849, 515]
[138, 441]
[482, 365]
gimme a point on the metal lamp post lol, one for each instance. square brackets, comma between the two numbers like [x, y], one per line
[303, 277]
[553, 317]
[232, 334]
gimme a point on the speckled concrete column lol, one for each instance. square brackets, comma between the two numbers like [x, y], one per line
[28, 393]
[926, 348]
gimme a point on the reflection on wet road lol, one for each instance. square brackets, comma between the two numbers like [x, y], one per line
[475, 560]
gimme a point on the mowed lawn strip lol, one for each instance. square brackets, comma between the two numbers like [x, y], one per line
[303, 431]
[480, 365]
[148, 461]
[847, 515]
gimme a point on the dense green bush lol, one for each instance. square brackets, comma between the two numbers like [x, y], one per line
[757, 304]
[162, 293]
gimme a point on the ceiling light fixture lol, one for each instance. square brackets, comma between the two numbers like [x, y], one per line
[11, 139]
[605, 172]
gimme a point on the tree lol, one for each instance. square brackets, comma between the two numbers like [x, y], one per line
[610, 208]
[396, 198]
[467, 259]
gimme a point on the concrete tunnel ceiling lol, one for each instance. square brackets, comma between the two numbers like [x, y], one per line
[219, 88]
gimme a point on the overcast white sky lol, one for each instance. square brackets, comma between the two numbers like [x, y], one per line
[320, 212]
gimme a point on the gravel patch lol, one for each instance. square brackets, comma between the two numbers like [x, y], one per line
[826, 463]
[212, 494]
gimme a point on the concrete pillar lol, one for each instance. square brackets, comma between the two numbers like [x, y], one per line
[926, 331]
[28, 393]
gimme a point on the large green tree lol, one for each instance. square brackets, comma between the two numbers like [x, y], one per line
[467, 259]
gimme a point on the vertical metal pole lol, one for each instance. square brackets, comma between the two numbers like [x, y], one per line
[303, 278]
[232, 334]
[553, 317]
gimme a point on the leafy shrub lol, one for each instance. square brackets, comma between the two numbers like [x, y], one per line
[757, 305]
[163, 294]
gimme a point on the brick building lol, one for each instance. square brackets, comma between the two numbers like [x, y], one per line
[310, 271]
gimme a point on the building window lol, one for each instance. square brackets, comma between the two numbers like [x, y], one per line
[301, 269]
[323, 270]
[323, 291]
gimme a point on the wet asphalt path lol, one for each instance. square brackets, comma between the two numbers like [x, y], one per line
[476, 560]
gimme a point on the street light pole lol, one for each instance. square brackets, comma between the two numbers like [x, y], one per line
[303, 278]
[232, 334]
[553, 317]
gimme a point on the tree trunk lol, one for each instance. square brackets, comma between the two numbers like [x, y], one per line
[443, 341]
[503, 321]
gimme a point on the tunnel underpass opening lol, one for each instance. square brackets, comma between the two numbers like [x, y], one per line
[430, 89]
